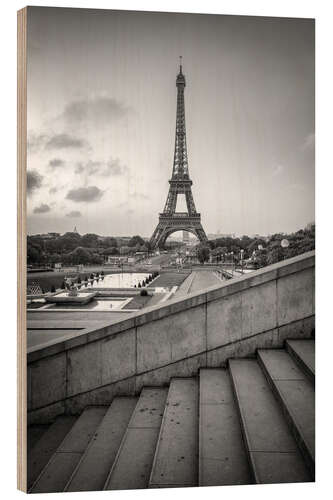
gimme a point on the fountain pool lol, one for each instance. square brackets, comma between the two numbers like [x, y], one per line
[119, 280]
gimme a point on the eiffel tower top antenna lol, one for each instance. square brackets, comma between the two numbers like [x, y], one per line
[180, 63]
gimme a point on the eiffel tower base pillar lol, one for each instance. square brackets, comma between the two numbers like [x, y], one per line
[166, 227]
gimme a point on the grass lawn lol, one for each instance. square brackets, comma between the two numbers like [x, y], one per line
[169, 279]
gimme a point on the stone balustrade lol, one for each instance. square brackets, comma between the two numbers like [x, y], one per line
[205, 329]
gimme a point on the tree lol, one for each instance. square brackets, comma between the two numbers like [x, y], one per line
[34, 254]
[80, 256]
[274, 255]
[109, 242]
[111, 251]
[125, 250]
[69, 241]
[203, 253]
[90, 240]
[136, 240]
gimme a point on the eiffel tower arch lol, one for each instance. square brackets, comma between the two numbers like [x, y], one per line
[171, 221]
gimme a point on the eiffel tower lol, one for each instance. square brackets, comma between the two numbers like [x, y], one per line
[180, 183]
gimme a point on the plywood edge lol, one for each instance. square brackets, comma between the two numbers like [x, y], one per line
[21, 249]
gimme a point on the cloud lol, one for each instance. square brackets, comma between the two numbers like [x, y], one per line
[110, 168]
[100, 110]
[42, 209]
[85, 194]
[34, 181]
[35, 141]
[74, 213]
[56, 162]
[53, 190]
[309, 142]
[65, 141]
[114, 168]
[89, 168]
[278, 169]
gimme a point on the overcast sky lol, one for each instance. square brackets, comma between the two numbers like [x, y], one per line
[102, 111]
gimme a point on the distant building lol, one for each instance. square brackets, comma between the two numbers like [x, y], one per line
[116, 260]
[48, 236]
[215, 236]
[260, 237]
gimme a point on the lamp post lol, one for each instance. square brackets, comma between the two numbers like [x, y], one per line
[260, 247]
[241, 256]
[232, 263]
[284, 244]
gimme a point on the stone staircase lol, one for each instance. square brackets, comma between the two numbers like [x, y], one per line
[252, 422]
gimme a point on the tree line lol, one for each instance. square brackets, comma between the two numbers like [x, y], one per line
[261, 251]
[72, 248]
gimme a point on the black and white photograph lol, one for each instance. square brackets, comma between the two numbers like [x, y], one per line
[168, 179]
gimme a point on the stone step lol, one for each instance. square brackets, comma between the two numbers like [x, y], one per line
[95, 464]
[46, 446]
[133, 462]
[303, 351]
[272, 450]
[296, 394]
[176, 458]
[222, 454]
[61, 465]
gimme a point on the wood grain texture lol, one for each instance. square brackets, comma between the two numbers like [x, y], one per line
[21, 249]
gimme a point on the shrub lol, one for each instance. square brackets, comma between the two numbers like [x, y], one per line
[139, 285]
[143, 293]
[53, 289]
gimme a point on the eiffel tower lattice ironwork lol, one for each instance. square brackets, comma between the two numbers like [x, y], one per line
[180, 183]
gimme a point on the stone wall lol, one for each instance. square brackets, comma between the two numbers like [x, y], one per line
[260, 309]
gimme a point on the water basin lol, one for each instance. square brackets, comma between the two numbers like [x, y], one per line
[119, 280]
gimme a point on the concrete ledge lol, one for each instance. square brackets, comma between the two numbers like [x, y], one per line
[268, 304]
